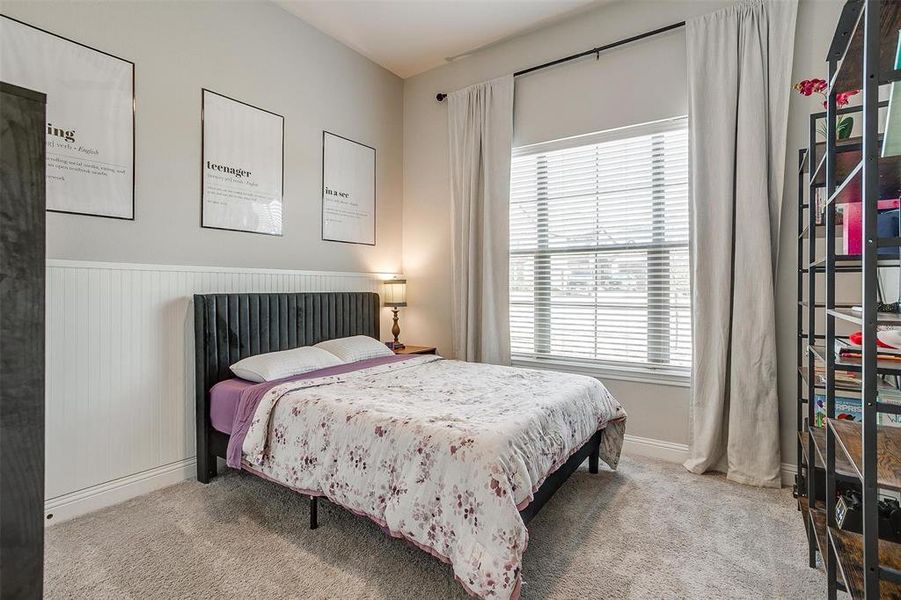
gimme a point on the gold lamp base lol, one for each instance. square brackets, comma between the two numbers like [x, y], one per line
[395, 331]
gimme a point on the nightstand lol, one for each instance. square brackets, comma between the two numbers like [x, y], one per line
[416, 350]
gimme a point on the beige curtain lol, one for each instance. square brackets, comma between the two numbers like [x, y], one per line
[739, 70]
[480, 121]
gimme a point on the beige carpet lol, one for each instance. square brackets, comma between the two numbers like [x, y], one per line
[650, 530]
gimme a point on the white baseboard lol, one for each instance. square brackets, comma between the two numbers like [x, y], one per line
[68, 506]
[74, 504]
[677, 453]
[660, 449]
[788, 474]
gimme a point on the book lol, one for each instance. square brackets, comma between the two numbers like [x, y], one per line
[851, 409]
[847, 350]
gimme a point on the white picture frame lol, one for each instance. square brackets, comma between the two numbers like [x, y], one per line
[348, 190]
[242, 166]
[90, 118]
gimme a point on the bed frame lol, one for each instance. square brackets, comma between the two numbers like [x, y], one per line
[229, 327]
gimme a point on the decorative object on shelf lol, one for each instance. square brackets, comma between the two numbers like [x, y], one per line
[348, 190]
[843, 124]
[849, 515]
[243, 164]
[852, 225]
[819, 199]
[886, 338]
[890, 337]
[396, 298]
[90, 118]
[849, 350]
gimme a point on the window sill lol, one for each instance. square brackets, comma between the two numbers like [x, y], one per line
[605, 371]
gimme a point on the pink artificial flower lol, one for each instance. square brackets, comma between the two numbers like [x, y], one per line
[843, 98]
[809, 86]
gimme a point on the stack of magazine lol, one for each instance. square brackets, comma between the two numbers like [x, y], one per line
[847, 352]
[842, 378]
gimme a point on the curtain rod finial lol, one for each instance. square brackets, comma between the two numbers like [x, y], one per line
[440, 96]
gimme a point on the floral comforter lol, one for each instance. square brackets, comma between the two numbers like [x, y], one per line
[442, 453]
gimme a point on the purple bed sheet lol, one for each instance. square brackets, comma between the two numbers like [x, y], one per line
[233, 402]
[224, 399]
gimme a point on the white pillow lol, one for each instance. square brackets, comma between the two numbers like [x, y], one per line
[356, 348]
[276, 365]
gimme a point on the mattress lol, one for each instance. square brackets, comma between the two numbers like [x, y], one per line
[441, 453]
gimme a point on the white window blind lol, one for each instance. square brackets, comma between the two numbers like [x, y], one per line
[599, 230]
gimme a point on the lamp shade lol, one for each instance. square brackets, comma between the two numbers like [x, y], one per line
[396, 292]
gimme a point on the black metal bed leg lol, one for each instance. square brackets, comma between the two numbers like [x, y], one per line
[593, 459]
[206, 467]
[314, 516]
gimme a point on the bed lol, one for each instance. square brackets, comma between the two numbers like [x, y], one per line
[456, 458]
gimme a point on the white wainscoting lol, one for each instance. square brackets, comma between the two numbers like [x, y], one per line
[120, 372]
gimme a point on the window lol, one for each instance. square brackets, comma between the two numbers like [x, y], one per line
[599, 271]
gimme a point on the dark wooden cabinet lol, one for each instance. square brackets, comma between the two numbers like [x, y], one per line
[22, 268]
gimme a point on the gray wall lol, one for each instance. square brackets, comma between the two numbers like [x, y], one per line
[258, 53]
[640, 82]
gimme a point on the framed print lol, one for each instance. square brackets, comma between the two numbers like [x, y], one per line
[243, 164]
[90, 118]
[348, 190]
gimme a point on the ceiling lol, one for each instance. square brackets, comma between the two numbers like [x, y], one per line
[408, 37]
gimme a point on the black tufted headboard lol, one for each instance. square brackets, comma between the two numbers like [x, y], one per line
[229, 327]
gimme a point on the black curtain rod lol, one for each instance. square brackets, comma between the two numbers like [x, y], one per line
[596, 51]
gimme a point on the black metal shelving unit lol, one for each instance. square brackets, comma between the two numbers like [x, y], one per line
[862, 454]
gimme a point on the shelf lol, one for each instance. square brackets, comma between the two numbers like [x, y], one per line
[820, 336]
[850, 71]
[888, 450]
[883, 367]
[805, 304]
[841, 386]
[821, 231]
[849, 190]
[889, 170]
[848, 548]
[848, 165]
[843, 468]
[815, 522]
[821, 384]
[846, 314]
[848, 154]
[851, 263]
[817, 518]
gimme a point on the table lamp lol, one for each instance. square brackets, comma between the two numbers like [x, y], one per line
[395, 297]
